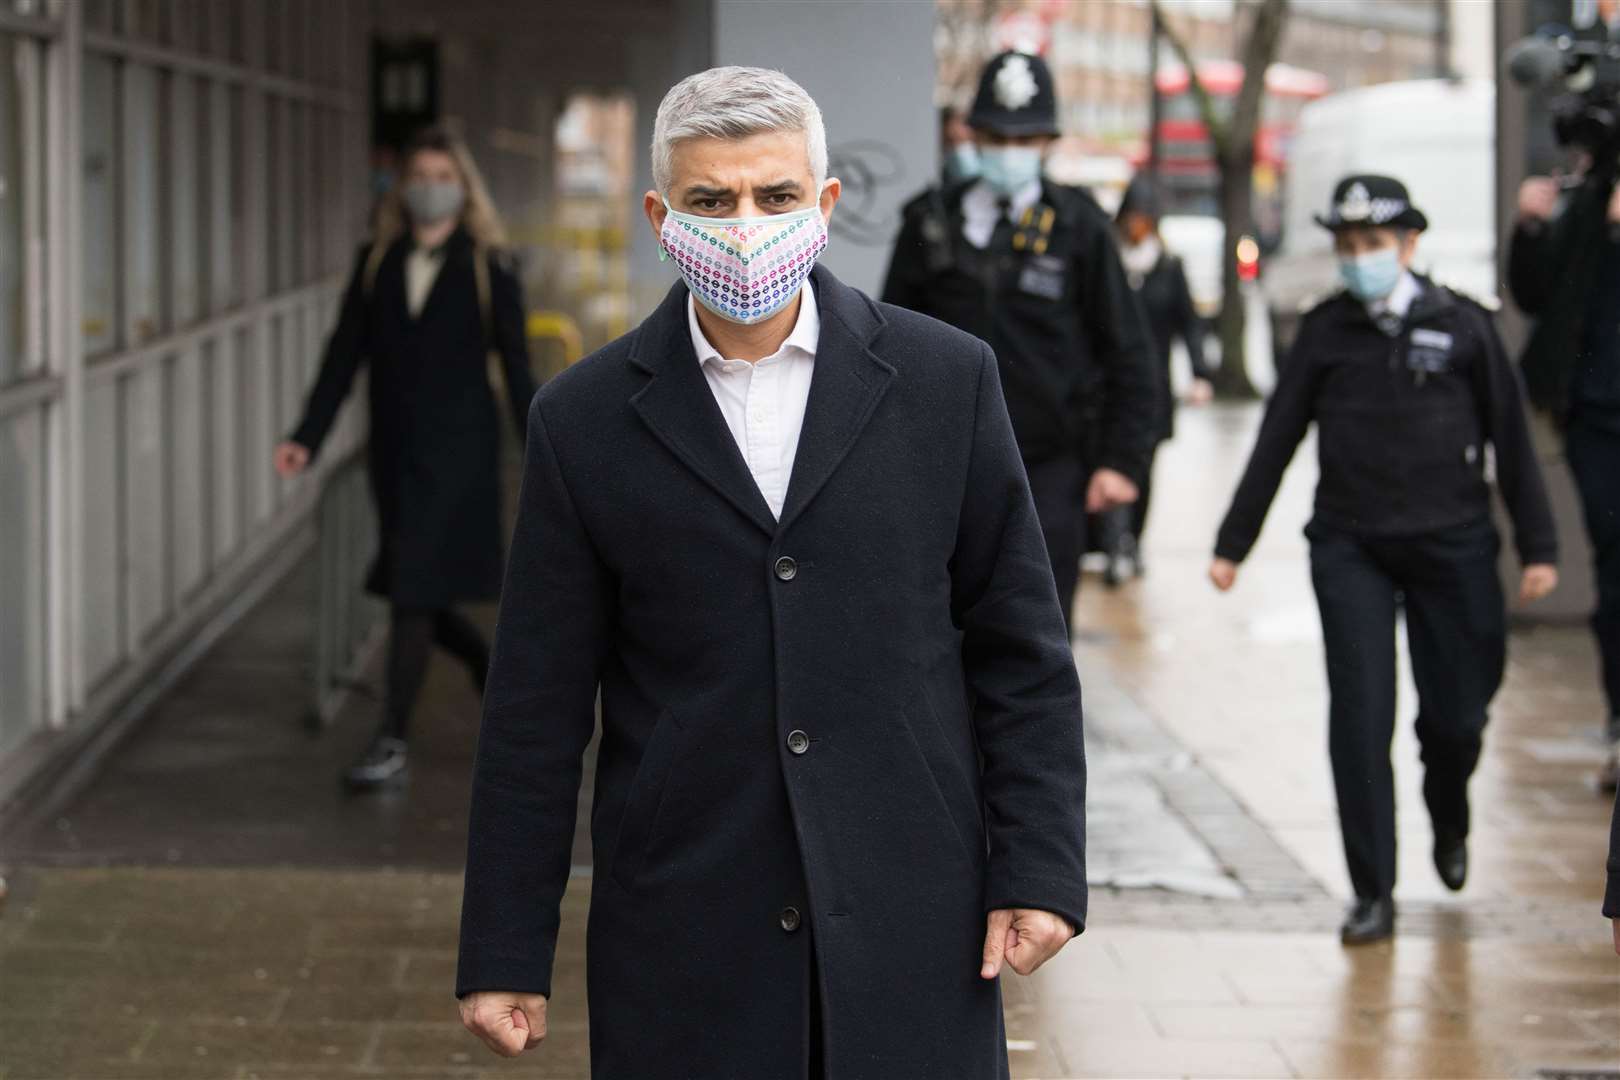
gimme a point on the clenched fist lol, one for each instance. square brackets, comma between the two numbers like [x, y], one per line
[508, 1023]
[1023, 939]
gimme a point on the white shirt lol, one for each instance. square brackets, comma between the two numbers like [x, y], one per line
[980, 206]
[1400, 298]
[764, 401]
[421, 270]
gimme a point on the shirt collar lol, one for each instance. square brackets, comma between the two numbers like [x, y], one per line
[1400, 299]
[805, 336]
[979, 199]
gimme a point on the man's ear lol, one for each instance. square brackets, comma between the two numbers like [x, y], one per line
[652, 204]
[830, 191]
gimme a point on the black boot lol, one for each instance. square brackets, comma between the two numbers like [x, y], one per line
[384, 763]
[1369, 920]
[1451, 857]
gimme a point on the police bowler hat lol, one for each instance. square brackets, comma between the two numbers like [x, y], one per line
[1367, 200]
[1015, 97]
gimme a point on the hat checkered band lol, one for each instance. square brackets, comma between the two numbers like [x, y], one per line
[1357, 207]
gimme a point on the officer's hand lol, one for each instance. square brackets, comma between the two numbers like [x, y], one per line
[1614, 207]
[1223, 572]
[1538, 198]
[508, 1023]
[291, 458]
[1200, 392]
[1538, 580]
[1107, 490]
[1025, 938]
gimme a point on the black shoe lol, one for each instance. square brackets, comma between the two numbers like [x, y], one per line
[383, 763]
[1369, 921]
[1451, 857]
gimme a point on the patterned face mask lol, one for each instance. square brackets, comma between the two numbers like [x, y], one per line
[745, 269]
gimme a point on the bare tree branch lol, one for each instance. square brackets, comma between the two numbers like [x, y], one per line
[1195, 86]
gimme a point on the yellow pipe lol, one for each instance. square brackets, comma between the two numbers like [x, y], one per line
[555, 326]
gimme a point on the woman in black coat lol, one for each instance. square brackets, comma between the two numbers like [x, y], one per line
[429, 298]
[1160, 284]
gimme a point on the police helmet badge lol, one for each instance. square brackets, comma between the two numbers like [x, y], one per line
[1356, 204]
[1015, 83]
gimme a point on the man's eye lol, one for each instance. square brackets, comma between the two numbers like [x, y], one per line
[707, 204]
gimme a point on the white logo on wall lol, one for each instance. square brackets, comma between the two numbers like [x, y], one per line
[1015, 83]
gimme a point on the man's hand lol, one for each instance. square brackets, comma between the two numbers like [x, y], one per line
[1223, 572]
[1107, 490]
[1538, 198]
[1538, 580]
[1201, 392]
[508, 1023]
[291, 458]
[1022, 937]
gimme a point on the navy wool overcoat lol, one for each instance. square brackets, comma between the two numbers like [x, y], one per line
[866, 712]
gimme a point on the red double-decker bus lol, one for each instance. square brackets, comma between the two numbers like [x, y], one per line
[1187, 170]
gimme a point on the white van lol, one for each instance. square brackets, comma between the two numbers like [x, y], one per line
[1434, 135]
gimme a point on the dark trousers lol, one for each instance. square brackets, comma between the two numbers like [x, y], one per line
[1593, 454]
[1456, 631]
[412, 634]
[1114, 525]
[1058, 486]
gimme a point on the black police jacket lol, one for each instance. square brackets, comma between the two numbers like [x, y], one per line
[1402, 424]
[1050, 298]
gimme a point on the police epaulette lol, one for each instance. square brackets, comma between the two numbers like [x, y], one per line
[1488, 304]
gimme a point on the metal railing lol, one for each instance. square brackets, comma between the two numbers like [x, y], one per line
[349, 622]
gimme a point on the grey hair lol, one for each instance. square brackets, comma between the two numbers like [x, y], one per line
[734, 103]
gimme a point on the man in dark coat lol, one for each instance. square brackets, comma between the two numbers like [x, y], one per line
[782, 532]
[1031, 267]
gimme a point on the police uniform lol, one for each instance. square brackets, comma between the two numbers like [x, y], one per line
[1035, 273]
[1405, 402]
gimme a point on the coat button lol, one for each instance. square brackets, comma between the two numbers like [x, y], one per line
[786, 568]
[798, 741]
[790, 919]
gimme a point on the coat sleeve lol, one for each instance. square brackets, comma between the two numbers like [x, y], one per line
[511, 339]
[1189, 326]
[1518, 473]
[345, 352]
[906, 284]
[1015, 652]
[1288, 415]
[1528, 271]
[1123, 350]
[539, 713]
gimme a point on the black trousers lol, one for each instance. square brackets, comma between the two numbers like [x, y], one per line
[412, 634]
[1593, 454]
[1456, 631]
[1058, 486]
[1129, 520]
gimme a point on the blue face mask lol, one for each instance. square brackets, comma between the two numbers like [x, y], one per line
[1007, 169]
[1371, 276]
[962, 163]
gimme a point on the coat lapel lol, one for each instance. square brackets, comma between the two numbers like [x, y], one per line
[849, 381]
[679, 408]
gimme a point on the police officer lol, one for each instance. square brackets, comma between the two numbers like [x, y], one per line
[1406, 381]
[1030, 267]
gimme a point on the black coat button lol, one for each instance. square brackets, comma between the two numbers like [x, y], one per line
[790, 919]
[798, 741]
[786, 568]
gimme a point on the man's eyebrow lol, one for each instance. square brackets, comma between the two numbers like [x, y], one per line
[780, 187]
[704, 191]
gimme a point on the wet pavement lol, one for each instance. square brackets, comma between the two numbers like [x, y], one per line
[214, 906]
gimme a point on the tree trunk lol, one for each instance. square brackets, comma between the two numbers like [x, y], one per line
[1237, 212]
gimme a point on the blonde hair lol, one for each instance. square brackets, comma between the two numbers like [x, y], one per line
[478, 214]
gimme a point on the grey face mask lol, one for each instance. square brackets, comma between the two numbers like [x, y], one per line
[431, 203]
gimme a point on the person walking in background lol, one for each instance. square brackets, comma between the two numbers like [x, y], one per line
[1030, 267]
[1564, 269]
[430, 296]
[1407, 382]
[1160, 283]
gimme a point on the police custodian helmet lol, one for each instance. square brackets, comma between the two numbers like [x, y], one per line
[1015, 97]
[1379, 201]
